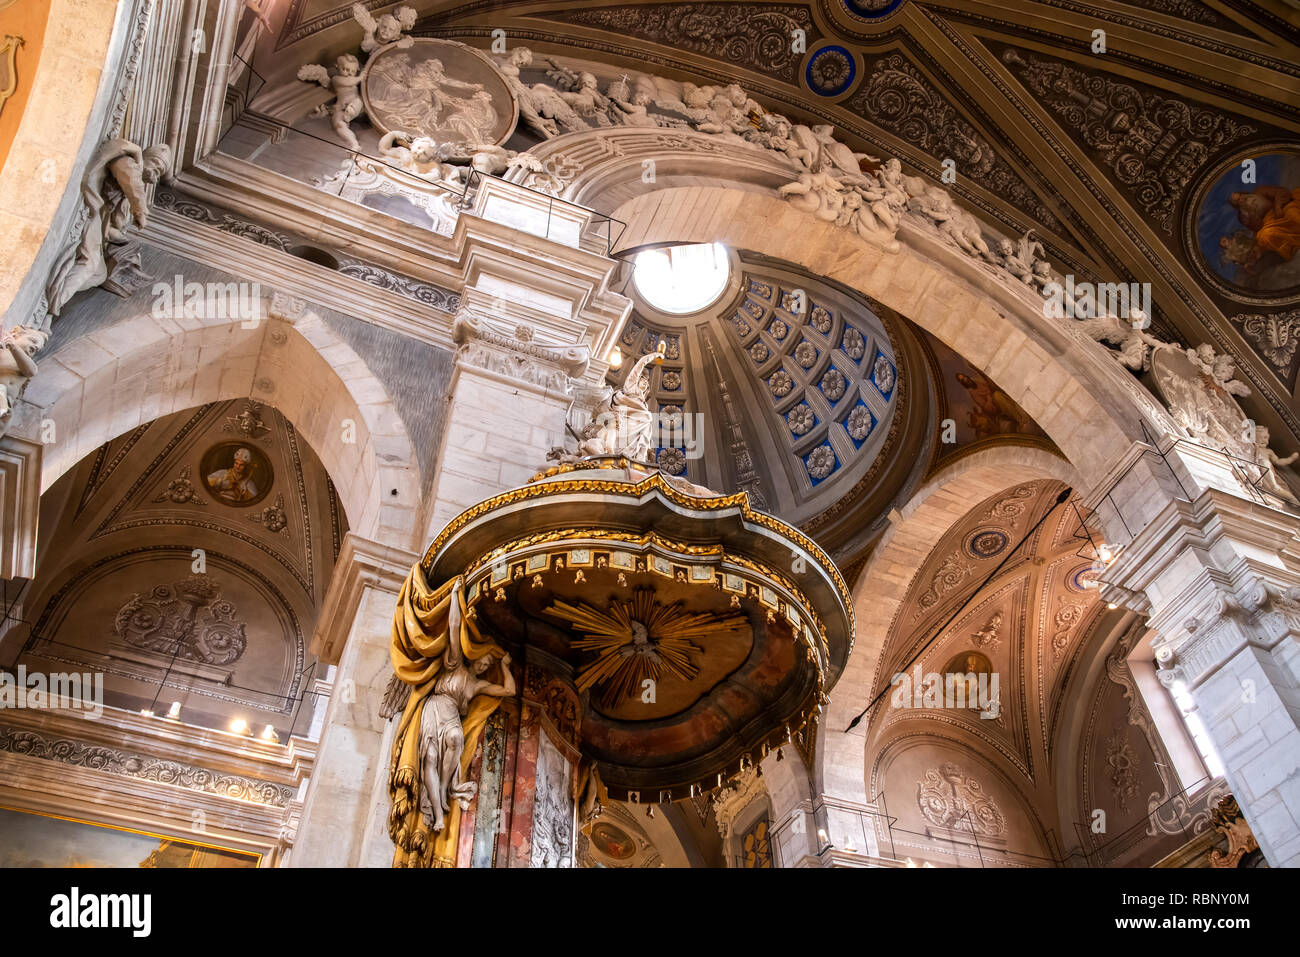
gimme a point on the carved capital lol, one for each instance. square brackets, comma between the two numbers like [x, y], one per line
[286, 308]
[516, 354]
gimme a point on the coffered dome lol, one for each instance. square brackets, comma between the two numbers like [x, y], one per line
[787, 387]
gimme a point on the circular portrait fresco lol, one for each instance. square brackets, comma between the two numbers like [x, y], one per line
[440, 89]
[612, 841]
[1244, 229]
[236, 473]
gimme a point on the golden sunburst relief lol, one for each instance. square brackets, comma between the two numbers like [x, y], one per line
[638, 640]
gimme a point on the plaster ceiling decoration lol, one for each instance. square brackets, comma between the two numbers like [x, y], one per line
[756, 37]
[949, 797]
[927, 82]
[1148, 144]
[899, 98]
[185, 560]
[1029, 622]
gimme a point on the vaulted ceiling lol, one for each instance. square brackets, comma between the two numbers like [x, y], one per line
[1120, 159]
[181, 580]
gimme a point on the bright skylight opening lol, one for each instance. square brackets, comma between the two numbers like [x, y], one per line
[1183, 699]
[682, 279]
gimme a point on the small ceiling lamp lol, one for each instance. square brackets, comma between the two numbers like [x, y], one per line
[174, 712]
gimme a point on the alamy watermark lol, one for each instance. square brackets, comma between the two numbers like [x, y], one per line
[1087, 300]
[240, 301]
[75, 910]
[37, 690]
[953, 690]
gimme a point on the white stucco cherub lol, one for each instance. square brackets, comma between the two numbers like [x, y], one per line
[344, 81]
[385, 29]
[18, 348]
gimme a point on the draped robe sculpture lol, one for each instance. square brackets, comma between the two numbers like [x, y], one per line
[438, 651]
[113, 192]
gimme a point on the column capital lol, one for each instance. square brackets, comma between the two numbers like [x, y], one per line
[513, 356]
[1217, 556]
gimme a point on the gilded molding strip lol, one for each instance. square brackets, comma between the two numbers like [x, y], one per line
[653, 482]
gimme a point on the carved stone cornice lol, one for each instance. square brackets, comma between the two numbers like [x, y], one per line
[1201, 565]
[516, 356]
[118, 761]
[160, 752]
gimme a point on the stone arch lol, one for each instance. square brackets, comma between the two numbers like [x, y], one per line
[1089, 406]
[1087, 403]
[100, 385]
[987, 766]
[935, 508]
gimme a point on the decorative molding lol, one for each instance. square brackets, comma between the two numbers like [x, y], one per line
[1274, 336]
[132, 764]
[248, 421]
[948, 797]
[272, 517]
[517, 357]
[186, 620]
[757, 38]
[1152, 145]
[422, 292]
[952, 571]
[899, 98]
[181, 490]
[1121, 761]
[988, 637]
[1069, 614]
[1012, 505]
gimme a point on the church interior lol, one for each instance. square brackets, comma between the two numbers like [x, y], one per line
[730, 434]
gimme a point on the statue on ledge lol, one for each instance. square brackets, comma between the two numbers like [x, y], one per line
[113, 191]
[18, 348]
[624, 427]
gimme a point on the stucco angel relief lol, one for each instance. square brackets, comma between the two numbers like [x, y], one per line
[439, 652]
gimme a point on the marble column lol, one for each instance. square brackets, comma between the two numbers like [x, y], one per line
[343, 817]
[1219, 578]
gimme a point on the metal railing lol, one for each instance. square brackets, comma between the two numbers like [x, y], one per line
[590, 240]
[1153, 837]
